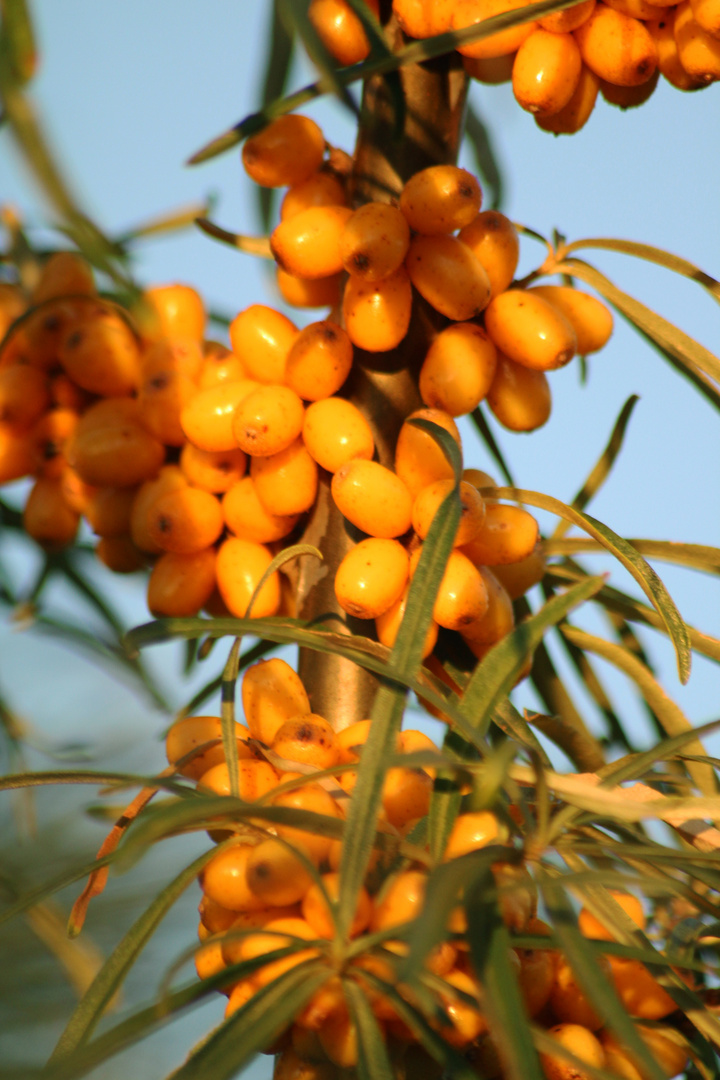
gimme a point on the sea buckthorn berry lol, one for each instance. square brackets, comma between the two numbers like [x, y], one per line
[240, 566]
[220, 365]
[564, 22]
[168, 478]
[247, 518]
[472, 831]
[239, 995]
[180, 585]
[706, 14]
[462, 598]
[546, 71]
[207, 419]
[189, 735]
[108, 510]
[429, 500]
[286, 152]
[286, 482]
[268, 420]
[440, 199]
[590, 318]
[480, 479]
[223, 879]
[494, 71]
[65, 394]
[519, 396]
[638, 9]
[698, 51]
[375, 241]
[413, 17]
[176, 354]
[209, 960]
[467, 1022]
[406, 795]
[580, 1042]
[518, 577]
[276, 874]
[323, 188]
[243, 921]
[419, 459]
[449, 276]
[469, 12]
[377, 313]
[400, 900]
[388, 624]
[568, 1000]
[307, 739]
[530, 331]
[65, 273]
[493, 239]
[163, 395]
[340, 30]
[591, 926]
[352, 739]
[50, 437]
[76, 493]
[256, 778]
[617, 47]
[308, 244]
[319, 361]
[185, 520]
[212, 470]
[271, 694]
[498, 619]
[313, 798]
[101, 354]
[373, 498]
[537, 970]
[24, 395]
[110, 446]
[371, 577]
[172, 311]
[317, 913]
[280, 934]
[262, 338]
[293, 1065]
[47, 517]
[458, 369]
[45, 328]
[663, 34]
[335, 432]
[213, 917]
[508, 535]
[666, 1045]
[629, 97]
[640, 992]
[119, 554]
[577, 112]
[308, 292]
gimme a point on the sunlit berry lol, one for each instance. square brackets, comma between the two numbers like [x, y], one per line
[518, 577]
[430, 498]
[319, 361]
[617, 47]
[469, 12]
[307, 245]
[529, 330]
[498, 618]
[375, 241]
[449, 276]
[698, 50]
[108, 510]
[323, 188]
[246, 516]
[519, 396]
[268, 420]
[579, 1041]
[589, 317]
[262, 337]
[419, 460]
[335, 432]
[276, 874]
[564, 22]
[546, 71]
[212, 470]
[169, 478]
[458, 369]
[307, 739]
[223, 880]
[573, 116]
[377, 313]
[388, 626]
[190, 735]
[312, 798]
[373, 498]
[286, 482]
[371, 577]
[287, 151]
[111, 447]
[271, 694]
[315, 908]
[185, 520]
[180, 585]
[24, 395]
[472, 831]
[101, 354]
[240, 566]
[508, 535]
[47, 517]
[65, 273]
[207, 418]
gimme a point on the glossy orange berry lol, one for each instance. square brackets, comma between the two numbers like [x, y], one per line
[371, 577]
[268, 420]
[286, 152]
[336, 432]
[706, 14]
[508, 535]
[247, 518]
[219, 365]
[190, 735]
[181, 585]
[185, 520]
[458, 369]
[209, 960]
[207, 418]
[307, 245]
[101, 354]
[65, 394]
[271, 694]
[494, 240]
[373, 498]
[519, 396]
[579, 108]
[76, 493]
[213, 917]
[42, 331]
[569, 1002]
[579, 1041]
[49, 439]
[413, 17]
[323, 188]
[529, 330]
[419, 459]
[469, 12]
[467, 1022]
[316, 911]
[449, 276]
[262, 338]
[65, 273]
[429, 499]
[472, 831]
[286, 482]
[183, 355]
[440, 199]
[308, 292]
[375, 241]
[564, 22]
[111, 447]
[275, 873]
[168, 479]
[388, 625]
[377, 313]
[256, 777]
[698, 51]
[120, 554]
[400, 900]
[498, 619]
[462, 598]
[212, 470]
[546, 71]
[352, 739]
[591, 926]
[308, 740]
[589, 317]
[406, 795]
[340, 30]
[319, 361]
[663, 34]
[313, 798]
[172, 311]
[617, 47]
[47, 517]
[640, 992]
[163, 396]
[280, 933]
[108, 510]
[24, 395]
[518, 577]
[240, 566]
[242, 922]
[223, 880]
[666, 1045]
[240, 994]
[638, 9]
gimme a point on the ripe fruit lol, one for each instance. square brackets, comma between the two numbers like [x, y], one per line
[286, 482]
[591, 320]
[101, 354]
[507, 535]
[468, 12]
[240, 566]
[371, 577]
[493, 238]
[458, 369]
[546, 71]
[429, 500]
[207, 419]
[110, 446]
[375, 241]
[268, 420]
[519, 396]
[577, 112]
[306, 739]
[180, 585]
[307, 245]
[617, 47]
[271, 694]
[185, 520]
[335, 432]
[377, 313]
[323, 188]
[262, 338]
[419, 459]
[373, 498]
[247, 517]
[447, 274]
[288, 151]
[440, 199]
[529, 330]
[580, 1042]
[319, 361]
[275, 874]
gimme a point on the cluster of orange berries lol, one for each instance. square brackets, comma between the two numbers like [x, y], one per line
[272, 887]
[558, 63]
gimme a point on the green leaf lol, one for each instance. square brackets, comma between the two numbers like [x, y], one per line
[277, 70]
[18, 40]
[296, 16]
[227, 717]
[373, 1061]
[445, 441]
[170, 222]
[701, 557]
[481, 143]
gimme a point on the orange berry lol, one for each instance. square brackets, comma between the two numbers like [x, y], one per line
[308, 740]
[24, 395]
[13, 304]
[706, 14]
[240, 566]
[377, 313]
[580, 1042]
[569, 1003]
[219, 365]
[472, 831]
[591, 927]
[286, 152]
[469, 12]
[175, 354]
[336, 432]
[340, 30]
[494, 71]
[498, 619]
[110, 446]
[172, 311]
[449, 276]
[440, 199]
[163, 396]
[317, 913]
[169, 478]
[189, 735]
[638, 9]
[262, 338]
[462, 598]
[101, 354]
[119, 554]
[323, 188]
[529, 330]
[256, 777]
[458, 369]
[373, 498]
[179, 585]
[207, 418]
[185, 520]
[223, 879]
[66, 395]
[546, 71]
[429, 499]
[494, 240]
[47, 517]
[413, 17]
[319, 361]
[212, 470]
[271, 694]
[247, 518]
[50, 437]
[41, 333]
[313, 798]
[406, 795]
[419, 459]
[564, 22]
[589, 317]
[573, 116]
[629, 97]
[519, 396]
[371, 577]
[698, 51]
[388, 624]
[209, 960]
[662, 32]
[640, 992]
[286, 482]
[308, 292]
[213, 917]
[275, 874]
[307, 245]
[518, 577]
[617, 47]
[239, 995]
[466, 1021]
[280, 934]
[508, 535]
[666, 1045]
[65, 273]
[400, 900]
[241, 922]
[375, 241]
[108, 510]
[268, 420]
[76, 493]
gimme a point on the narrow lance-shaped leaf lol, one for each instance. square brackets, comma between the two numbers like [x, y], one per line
[258, 246]
[296, 16]
[373, 1061]
[277, 69]
[227, 717]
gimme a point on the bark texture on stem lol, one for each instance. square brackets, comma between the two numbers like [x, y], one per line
[382, 385]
